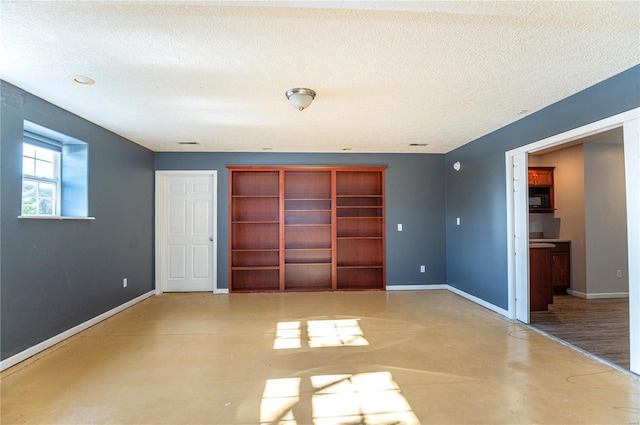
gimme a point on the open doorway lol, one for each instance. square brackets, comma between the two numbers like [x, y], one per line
[587, 229]
[518, 223]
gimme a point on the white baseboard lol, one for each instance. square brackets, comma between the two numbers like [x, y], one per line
[594, 296]
[415, 287]
[479, 301]
[450, 288]
[13, 360]
[31, 351]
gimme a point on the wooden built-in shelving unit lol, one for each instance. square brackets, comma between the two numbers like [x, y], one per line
[360, 229]
[306, 228]
[255, 230]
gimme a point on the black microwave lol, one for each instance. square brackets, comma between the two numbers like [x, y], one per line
[539, 198]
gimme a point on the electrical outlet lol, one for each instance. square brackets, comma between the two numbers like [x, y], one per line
[399, 227]
[457, 221]
[423, 269]
[619, 274]
[124, 282]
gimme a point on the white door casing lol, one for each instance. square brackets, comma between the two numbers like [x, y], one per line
[631, 132]
[521, 235]
[629, 120]
[186, 239]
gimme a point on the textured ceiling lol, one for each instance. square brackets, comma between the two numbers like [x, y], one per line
[387, 74]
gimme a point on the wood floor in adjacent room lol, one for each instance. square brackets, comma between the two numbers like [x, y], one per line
[402, 357]
[599, 326]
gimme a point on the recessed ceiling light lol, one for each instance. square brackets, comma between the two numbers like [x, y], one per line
[81, 79]
[418, 144]
[266, 149]
[523, 112]
[346, 149]
[188, 143]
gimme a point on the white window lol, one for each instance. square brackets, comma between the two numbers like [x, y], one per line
[54, 174]
[40, 179]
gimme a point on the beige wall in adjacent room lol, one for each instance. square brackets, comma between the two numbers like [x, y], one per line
[606, 219]
[568, 221]
[590, 201]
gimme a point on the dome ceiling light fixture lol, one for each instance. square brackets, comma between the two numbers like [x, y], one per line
[300, 98]
[82, 79]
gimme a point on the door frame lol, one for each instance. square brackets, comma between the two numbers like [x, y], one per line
[518, 242]
[629, 121]
[160, 177]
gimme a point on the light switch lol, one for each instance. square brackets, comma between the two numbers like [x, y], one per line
[399, 227]
[457, 221]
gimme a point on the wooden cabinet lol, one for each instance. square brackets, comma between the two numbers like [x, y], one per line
[541, 176]
[549, 272]
[541, 193]
[306, 228]
[540, 288]
[561, 267]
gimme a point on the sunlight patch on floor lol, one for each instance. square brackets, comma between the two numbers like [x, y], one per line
[320, 333]
[335, 333]
[363, 398]
[278, 399]
[287, 336]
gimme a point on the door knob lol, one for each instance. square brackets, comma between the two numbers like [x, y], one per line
[210, 239]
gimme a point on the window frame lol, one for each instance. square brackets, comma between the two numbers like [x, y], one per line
[56, 148]
[71, 172]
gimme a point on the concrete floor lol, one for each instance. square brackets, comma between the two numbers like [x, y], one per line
[314, 358]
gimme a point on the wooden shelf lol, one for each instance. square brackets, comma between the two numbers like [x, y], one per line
[255, 183]
[359, 183]
[255, 258]
[254, 222]
[257, 250]
[257, 268]
[361, 267]
[307, 184]
[255, 196]
[307, 276]
[306, 228]
[308, 256]
[361, 278]
[255, 280]
[360, 257]
[254, 230]
[311, 218]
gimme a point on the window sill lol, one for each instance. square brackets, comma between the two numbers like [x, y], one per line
[53, 217]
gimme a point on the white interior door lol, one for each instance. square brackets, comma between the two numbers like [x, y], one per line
[188, 239]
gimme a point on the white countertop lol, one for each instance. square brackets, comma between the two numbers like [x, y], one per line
[548, 240]
[541, 245]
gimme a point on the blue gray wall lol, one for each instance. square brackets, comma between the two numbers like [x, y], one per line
[57, 274]
[477, 249]
[414, 197]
